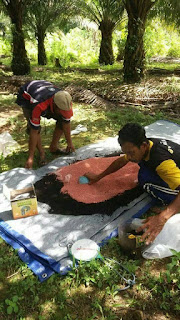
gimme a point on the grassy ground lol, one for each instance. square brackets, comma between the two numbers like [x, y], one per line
[88, 292]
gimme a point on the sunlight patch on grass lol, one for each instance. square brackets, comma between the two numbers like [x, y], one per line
[7, 97]
[162, 65]
[48, 307]
[173, 84]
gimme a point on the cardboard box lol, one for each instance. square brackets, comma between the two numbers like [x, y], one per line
[23, 202]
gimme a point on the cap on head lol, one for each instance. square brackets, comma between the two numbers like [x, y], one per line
[63, 100]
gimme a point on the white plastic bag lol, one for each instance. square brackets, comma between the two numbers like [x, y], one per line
[78, 129]
[167, 239]
[7, 143]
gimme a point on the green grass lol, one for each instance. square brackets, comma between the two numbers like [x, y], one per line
[168, 66]
[89, 291]
[100, 124]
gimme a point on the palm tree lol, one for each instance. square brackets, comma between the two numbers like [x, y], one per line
[106, 14]
[137, 11]
[14, 8]
[169, 10]
[41, 15]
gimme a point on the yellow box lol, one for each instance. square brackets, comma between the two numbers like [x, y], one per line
[23, 202]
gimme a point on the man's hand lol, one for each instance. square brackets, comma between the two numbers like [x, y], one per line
[114, 166]
[66, 127]
[152, 227]
[29, 163]
[92, 177]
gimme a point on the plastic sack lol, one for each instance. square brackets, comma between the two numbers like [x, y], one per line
[78, 129]
[7, 143]
[167, 239]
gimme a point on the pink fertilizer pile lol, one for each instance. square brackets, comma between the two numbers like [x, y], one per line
[110, 186]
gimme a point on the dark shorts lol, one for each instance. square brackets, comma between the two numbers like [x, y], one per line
[155, 186]
[27, 114]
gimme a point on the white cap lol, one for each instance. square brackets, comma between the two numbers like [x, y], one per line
[63, 100]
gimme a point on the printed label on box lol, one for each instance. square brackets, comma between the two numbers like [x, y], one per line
[25, 208]
[24, 203]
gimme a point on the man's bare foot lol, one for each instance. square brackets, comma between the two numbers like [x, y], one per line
[42, 162]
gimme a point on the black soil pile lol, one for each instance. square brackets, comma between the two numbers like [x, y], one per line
[48, 190]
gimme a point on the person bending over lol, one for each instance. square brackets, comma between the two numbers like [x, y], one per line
[40, 98]
[159, 173]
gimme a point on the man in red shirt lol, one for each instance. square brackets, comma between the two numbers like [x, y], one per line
[40, 98]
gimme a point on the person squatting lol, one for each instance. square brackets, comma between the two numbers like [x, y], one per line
[159, 173]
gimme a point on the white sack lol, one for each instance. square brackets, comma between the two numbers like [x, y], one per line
[167, 239]
[7, 143]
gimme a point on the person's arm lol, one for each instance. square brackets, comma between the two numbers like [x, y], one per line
[66, 126]
[33, 140]
[153, 225]
[114, 166]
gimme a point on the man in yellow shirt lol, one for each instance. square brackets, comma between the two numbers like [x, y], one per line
[159, 173]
